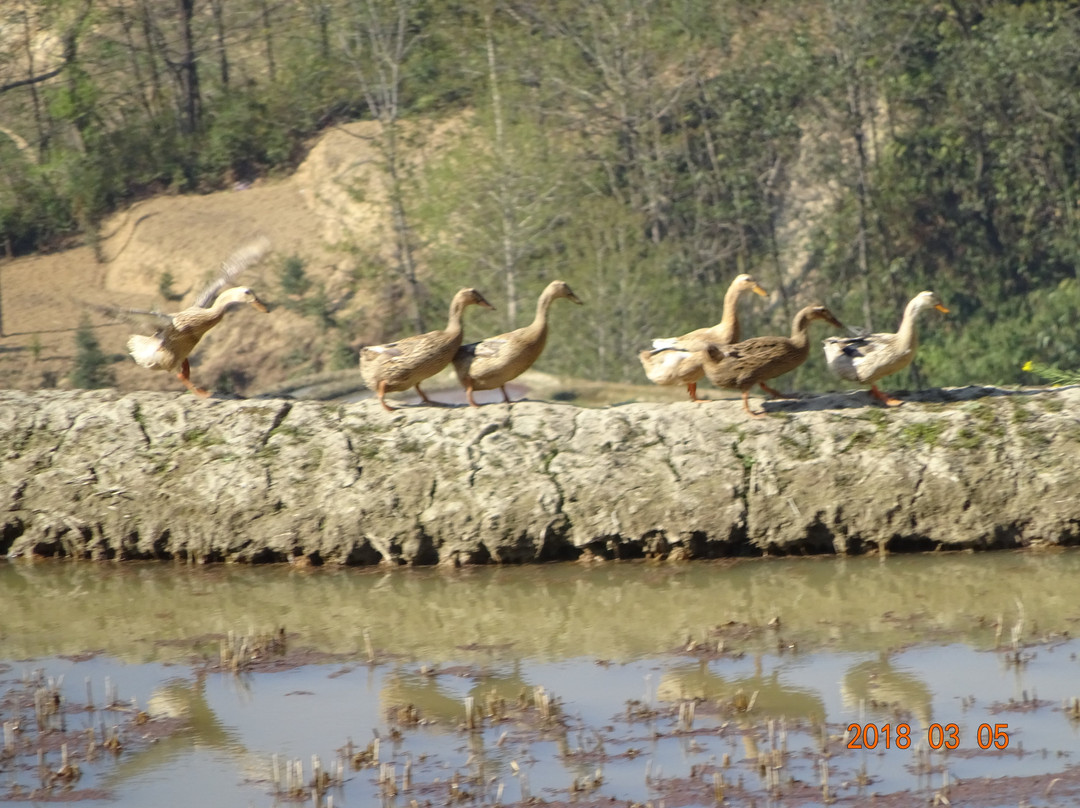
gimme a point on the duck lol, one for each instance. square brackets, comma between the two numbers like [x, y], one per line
[493, 362]
[870, 357]
[176, 335]
[676, 360]
[397, 366]
[752, 361]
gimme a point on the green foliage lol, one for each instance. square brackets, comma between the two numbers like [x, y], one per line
[91, 364]
[293, 276]
[33, 211]
[1054, 375]
[304, 296]
[643, 150]
[165, 286]
[243, 139]
[342, 357]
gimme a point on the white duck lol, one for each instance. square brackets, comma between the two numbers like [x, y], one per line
[871, 357]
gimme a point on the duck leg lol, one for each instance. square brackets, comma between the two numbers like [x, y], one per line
[468, 394]
[691, 388]
[880, 396]
[423, 395]
[506, 396]
[185, 376]
[382, 397]
[772, 391]
[746, 404]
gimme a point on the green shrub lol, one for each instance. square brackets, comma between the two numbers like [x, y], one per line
[91, 364]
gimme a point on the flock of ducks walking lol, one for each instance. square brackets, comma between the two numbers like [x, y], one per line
[715, 353]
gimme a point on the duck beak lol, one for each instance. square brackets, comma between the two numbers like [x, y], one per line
[260, 306]
[941, 308]
[574, 298]
[758, 290]
[832, 320]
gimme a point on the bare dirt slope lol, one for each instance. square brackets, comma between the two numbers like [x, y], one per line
[334, 200]
[43, 297]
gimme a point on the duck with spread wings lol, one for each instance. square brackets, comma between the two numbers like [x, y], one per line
[176, 335]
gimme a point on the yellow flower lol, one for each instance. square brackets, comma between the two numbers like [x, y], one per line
[1027, 366]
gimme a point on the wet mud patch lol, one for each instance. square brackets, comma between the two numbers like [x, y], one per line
[50, 741]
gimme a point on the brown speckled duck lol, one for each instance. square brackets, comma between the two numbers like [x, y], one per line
[677, 360]
[752, 361]
[495, 361]
[397, 366]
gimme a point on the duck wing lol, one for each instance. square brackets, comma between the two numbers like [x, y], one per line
[146, 320]
[746, 363]
[251, 252]
[487, 347]
[862, 346]
[389, 351]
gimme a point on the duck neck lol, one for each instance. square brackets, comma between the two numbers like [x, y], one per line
[453, 324]
[905, 334]
[538, 327]
[221, 304]
[729, 323]
[800, 329]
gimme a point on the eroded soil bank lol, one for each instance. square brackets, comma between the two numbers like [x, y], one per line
[160, 475]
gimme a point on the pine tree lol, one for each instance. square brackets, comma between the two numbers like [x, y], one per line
[91, 364]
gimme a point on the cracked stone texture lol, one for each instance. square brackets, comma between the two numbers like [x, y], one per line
[160, 475]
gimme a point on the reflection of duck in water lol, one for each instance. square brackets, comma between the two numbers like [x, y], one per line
[887, 691]
[774, 699]
[200, 726]
[416, 696]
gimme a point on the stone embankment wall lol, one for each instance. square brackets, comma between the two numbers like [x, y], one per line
[155, 475]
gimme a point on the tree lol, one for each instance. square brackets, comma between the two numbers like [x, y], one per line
[188, 70]
[91, 364]
[381, 35]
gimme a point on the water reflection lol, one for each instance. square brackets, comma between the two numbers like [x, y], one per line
[145, 612]
[764, 691]
[765, 649]
[183, 701]
[436, 702]
[884, 693]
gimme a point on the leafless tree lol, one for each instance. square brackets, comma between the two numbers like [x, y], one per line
[380, 35]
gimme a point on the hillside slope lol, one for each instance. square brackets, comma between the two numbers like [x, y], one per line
[43, 297]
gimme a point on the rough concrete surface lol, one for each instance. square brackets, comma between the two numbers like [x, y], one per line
[106, 475]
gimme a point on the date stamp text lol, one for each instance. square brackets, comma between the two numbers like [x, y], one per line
[938, 736]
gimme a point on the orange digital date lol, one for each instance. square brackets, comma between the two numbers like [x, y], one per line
[871, 736]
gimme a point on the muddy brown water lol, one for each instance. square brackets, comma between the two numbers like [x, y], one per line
[756, 682]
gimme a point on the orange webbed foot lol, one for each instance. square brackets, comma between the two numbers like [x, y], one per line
[888, 401]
